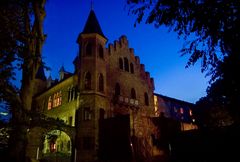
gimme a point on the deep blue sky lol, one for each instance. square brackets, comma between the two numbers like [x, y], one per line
[158, 49]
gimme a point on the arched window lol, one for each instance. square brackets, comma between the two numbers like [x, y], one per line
[54, 99]
[87, 81]
[126, 65]
[131, 68]
[120, 63]
[89, 49]
[49, 102]
[76, 93]
[117, 89]
[59, 98]
[133, 93]
[100, 83]
[69, 94]
[73, 93]
[146, 99]
[100, 51]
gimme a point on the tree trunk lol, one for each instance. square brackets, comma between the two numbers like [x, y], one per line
[31, 62]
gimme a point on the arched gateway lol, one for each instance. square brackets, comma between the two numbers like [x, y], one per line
[49, 144]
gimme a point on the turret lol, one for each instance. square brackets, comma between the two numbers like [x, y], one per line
[92, 54]
[92, 64]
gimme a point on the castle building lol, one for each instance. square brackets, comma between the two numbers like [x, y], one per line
[108, 96]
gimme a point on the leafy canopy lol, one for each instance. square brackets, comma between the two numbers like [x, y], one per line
[211, 28]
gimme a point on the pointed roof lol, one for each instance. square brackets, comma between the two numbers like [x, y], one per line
[62, 69]
[40, 73]
[92, 25]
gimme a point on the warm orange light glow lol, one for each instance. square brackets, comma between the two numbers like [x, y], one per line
[190, 112]
[181, 110]
[49, 103]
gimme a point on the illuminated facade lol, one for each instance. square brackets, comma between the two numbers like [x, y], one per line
[107, 83]
[178, 110]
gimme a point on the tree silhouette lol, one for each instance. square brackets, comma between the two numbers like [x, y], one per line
[211, 28]
[21, 40]
[211, 31]
[221, 105]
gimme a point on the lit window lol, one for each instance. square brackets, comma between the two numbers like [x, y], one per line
[100, 83]
[120, 63]
[53, 147]
[57, 99]
[49, 103]
[181, 110]
[156, 105]
[146, 99]
[87, 113]
[190, 112]
[60, 98]
[87, 83]
[126, 65]
[54, 100]
[131, 68]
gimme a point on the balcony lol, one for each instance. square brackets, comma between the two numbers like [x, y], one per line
[126, 101]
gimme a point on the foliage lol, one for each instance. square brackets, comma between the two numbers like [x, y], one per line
[21, 40]
[211, 28]
[10, 47]
[221, 105]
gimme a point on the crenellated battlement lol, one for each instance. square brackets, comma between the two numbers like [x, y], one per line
[120, 47]
[110, 48]
[137, 60]
[116, 45]
[123, 41]
[152, 83]
[142, 68]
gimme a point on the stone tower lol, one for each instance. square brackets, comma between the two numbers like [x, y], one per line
[91, 70]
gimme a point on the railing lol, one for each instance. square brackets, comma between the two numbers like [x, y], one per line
[127, 101]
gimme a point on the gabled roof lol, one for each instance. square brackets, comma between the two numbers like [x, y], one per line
[92, 25]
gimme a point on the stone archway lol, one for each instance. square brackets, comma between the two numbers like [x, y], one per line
[38, 138]
[57, 146]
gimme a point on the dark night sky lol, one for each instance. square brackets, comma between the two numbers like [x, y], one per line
[158, 49]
